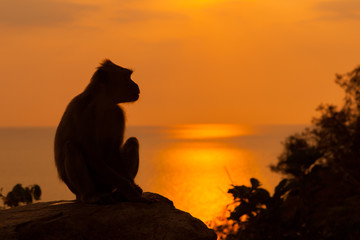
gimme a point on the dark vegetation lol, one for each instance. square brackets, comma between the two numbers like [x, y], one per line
[20, 195]
[319, 197]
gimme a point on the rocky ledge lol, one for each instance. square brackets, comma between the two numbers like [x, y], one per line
[123, 221]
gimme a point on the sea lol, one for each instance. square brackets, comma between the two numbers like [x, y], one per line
[192, 165]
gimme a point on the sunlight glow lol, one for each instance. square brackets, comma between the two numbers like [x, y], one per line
[209, 131]
[196, 175]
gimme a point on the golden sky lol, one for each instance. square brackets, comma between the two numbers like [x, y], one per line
[204, 61]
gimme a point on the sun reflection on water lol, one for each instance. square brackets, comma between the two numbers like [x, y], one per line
[194, 175]
[209, 131]
[195, 165]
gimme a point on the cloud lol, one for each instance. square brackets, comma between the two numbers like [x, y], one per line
[39, 13]
[132, 15]
[337, 10]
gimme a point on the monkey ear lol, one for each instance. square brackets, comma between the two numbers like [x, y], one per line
[101, 76]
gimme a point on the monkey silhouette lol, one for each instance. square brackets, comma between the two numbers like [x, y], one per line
[90, 154]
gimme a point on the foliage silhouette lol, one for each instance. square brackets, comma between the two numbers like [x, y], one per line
[20, 195]
[252, 200]
[320, 196]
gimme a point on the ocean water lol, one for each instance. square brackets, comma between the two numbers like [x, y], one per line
[193, 165]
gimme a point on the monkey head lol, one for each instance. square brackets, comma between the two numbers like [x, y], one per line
[117, 82]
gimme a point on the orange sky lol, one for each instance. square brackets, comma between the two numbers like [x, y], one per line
[204, 61]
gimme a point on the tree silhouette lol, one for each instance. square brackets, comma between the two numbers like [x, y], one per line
[320, 196]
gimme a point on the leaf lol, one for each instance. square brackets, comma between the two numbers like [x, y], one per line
[262, 195]
[36, 190]
[254, 183]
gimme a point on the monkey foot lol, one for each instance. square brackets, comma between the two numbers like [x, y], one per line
[138, 189]
[101, 199]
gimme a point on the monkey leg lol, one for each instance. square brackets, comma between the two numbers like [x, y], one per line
[79, 179]
[130, 156]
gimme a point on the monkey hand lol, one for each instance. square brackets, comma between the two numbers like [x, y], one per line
[138, 189]
[138, 199]
[133, 197]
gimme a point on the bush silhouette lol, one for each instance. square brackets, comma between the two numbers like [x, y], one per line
[20, 195]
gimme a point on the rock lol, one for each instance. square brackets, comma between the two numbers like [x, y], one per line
[123, 221]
